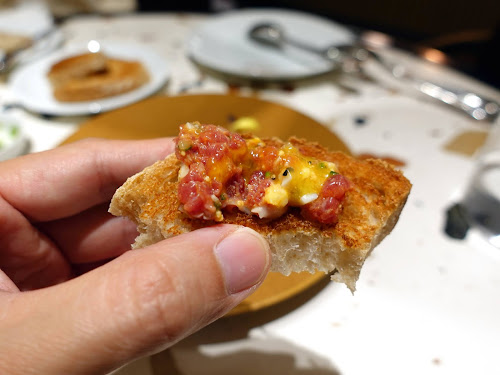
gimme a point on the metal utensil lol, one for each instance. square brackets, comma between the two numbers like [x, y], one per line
[347, 57]
[350, 58]
[474, 105]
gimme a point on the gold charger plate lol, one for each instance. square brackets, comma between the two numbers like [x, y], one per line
[161, 116]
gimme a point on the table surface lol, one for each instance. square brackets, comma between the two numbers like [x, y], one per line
[425, 303]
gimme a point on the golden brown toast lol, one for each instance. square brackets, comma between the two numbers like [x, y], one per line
[370, 210]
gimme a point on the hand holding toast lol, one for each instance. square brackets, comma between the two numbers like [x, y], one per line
[55, 226]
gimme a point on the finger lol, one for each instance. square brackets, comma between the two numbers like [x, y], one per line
[27, 256]
[92, 235]
[69, 179]
[140, 303]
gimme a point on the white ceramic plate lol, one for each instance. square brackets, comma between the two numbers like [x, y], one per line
[26, 17]
[222, 44]
[33, 91]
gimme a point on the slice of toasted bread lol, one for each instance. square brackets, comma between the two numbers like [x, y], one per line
[370, 210]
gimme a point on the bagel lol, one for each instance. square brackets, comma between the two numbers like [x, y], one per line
[78, 66]
[94, 76]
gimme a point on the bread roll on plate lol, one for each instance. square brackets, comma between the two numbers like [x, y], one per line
[78, 66]
[92, 76]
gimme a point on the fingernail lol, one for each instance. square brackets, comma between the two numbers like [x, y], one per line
[244, 259]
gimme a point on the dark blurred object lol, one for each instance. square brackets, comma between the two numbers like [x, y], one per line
[412, 19]
[188, 5]
[185, 5]
[457, 224]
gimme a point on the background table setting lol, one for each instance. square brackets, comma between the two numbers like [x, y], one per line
[426, 303]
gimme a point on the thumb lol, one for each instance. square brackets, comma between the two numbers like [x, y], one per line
[140, 303]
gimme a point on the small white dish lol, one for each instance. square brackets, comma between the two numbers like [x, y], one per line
[26, 17]
[33, 91]
[13, 141]
[222, 44]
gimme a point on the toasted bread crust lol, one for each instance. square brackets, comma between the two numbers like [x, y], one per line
[369, 212]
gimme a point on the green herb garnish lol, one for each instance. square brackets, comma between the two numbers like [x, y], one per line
[184, 144]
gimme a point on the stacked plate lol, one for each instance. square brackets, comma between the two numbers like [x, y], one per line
[223, 44]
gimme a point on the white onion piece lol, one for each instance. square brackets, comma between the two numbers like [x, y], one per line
[269, 211]
[183, 171]
[308, 198]
[286, 179]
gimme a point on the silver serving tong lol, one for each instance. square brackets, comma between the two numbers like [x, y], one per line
[350, 58]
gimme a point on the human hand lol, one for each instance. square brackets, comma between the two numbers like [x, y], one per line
[55, 318]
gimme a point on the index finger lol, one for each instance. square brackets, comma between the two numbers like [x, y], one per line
[69, 179]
